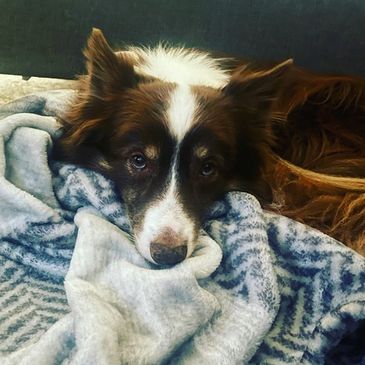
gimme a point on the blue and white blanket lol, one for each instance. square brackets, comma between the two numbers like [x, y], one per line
[260, 288]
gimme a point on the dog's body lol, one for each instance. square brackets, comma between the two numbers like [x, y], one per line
[175, 131]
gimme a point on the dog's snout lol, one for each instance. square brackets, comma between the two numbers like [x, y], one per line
[167, 255]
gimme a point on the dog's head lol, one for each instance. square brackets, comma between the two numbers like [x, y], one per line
[174, 131]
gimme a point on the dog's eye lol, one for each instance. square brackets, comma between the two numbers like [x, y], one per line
[208, 169]
[138, 161]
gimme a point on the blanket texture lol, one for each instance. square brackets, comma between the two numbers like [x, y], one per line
[259, 289]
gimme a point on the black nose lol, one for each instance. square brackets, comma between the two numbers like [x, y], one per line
[165, 255]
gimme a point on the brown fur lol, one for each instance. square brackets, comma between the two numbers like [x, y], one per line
[312, 155]
[317, 169]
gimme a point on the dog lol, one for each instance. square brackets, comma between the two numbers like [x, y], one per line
[177, 128]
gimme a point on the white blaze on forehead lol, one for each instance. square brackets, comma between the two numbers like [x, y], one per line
[180, 65]
[181, 111]
[166, 213]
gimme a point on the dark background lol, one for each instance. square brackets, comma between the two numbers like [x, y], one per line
[45, 37]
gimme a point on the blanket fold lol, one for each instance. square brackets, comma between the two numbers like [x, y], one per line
[259, 288]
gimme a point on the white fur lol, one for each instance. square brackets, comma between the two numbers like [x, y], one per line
[180, 66]
[185, 68]
[166, 213]
[181, 111]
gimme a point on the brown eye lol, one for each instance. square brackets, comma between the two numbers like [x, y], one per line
[208, 169]
[138, 161]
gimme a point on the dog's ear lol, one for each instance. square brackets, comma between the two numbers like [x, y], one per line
[108, 72]
[256, 90]
[251, 94]
[88, 123]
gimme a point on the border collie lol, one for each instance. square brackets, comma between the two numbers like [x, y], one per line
[174, 129]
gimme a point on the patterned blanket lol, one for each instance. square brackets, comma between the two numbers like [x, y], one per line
[259, 289]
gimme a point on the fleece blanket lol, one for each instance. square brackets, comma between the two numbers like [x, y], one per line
[259, 288]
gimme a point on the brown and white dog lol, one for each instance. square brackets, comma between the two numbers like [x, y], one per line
[175, 130]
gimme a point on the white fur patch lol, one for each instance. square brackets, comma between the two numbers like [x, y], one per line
[183, 67]
[180, 66]
[168, 213]
[165, 213]
[181, 111]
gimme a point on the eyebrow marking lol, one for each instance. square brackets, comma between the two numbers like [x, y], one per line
[102, 162]
[151, 152]
[201, 152]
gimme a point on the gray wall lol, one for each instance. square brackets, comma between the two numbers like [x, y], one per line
[45, 37]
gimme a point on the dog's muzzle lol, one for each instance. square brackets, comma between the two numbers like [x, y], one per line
[168, 248]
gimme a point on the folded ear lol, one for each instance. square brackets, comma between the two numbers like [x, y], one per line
[107, 71]
[251, 95]
[256, 90]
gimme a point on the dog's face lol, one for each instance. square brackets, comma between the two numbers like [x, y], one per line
[172, 148]
[172, 158]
